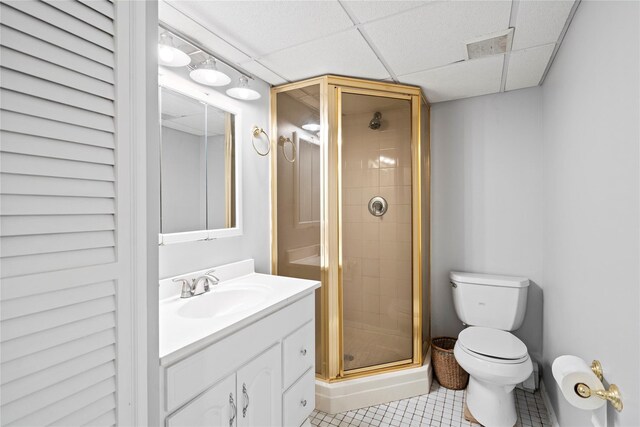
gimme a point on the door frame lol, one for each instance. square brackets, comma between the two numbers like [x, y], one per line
[138, 396]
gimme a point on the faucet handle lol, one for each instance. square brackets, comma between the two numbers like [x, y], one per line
[210, 274]
[209, 277]
[187, 290]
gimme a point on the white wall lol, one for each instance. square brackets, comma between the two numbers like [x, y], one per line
[486, 157]
[591, 225]
[544, 182]
[255, 241]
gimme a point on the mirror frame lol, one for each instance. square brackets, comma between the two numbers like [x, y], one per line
[224, 103]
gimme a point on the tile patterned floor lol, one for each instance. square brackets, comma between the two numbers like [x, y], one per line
[441, 407]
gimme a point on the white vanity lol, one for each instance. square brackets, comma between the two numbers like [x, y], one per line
[240, 355]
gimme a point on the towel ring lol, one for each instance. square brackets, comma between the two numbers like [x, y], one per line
[282, 141]
[255, 133]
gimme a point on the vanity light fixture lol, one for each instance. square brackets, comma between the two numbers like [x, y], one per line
[206, 73]
[169, 55]
[242, 91]
[311, 127]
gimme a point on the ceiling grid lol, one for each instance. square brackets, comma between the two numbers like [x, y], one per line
[415, 42]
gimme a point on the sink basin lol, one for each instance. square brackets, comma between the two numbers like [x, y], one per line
[224, 301]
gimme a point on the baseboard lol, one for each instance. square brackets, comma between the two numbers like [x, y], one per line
[358, 393]
[547, 403]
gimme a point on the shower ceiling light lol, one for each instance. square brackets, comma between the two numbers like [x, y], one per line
[170, 55]
[388, 162]
[311, 127]
[242, 91]
[206, 73]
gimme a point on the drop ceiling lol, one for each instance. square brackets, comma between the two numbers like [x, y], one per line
[421, 43]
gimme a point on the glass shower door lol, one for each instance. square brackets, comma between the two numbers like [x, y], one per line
[298, 156]
[376, 229]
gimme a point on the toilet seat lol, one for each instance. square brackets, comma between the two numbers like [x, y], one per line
[492, 345]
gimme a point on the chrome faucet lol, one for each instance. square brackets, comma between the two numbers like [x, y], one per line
[209, 279]
[190, 288]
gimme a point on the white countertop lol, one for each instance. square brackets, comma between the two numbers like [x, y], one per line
[180, 336]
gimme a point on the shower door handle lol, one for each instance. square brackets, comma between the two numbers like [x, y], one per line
[378, 206]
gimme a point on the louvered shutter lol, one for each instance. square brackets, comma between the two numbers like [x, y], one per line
[64, 258]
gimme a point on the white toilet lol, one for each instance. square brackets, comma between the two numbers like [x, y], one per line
[494, 358]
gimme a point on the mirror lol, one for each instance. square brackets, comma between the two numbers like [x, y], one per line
[198, 170]
[307, 180]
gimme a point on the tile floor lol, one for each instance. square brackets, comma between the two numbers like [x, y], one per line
[441, 407]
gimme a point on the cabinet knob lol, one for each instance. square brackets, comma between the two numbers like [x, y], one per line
[303, 352]
[303, 402]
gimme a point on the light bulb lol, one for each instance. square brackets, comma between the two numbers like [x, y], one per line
[207, 74]
[311, 127]
[170, 55]
[242, 91]
[165, 53]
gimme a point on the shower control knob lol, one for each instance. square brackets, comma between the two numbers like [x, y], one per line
[303, 352]
[303, 402]
[378, 206]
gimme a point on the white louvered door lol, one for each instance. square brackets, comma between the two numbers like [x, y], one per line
[65, 214]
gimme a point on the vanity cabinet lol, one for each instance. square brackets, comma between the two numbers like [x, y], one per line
[259, 390]
[248, 398]
[214, 408]
[260, 375]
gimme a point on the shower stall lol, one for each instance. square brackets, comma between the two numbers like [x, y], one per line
[350, 207]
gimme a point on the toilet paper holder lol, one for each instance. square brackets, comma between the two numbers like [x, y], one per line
[612, 394]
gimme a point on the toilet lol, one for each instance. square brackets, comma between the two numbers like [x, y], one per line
[491, 306]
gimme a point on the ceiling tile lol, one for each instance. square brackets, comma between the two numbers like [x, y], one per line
[263, 72]
[366, 11]
[460, 80]
[345, 53]
[539, 22]
[169, 15]
[527, 66]
[262, 27]
[436, 34]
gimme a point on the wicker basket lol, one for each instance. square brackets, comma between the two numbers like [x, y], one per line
[448, 373]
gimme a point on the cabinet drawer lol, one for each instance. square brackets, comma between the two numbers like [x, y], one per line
[299, 400]
[298, 353]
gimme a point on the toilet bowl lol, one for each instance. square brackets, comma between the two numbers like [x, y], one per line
[496, 361]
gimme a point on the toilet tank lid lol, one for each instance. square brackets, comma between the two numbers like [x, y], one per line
[489, 279]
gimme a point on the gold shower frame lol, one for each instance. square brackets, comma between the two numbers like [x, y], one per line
[331, 89]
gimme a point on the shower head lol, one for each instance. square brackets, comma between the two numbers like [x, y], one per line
[376, 122]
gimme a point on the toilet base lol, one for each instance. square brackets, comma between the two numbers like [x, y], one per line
[469, 416]
[490, 405]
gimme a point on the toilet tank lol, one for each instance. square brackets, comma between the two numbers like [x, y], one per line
[489, 300]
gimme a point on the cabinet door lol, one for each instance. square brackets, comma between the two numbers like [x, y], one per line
[217, 407]
[260, 390]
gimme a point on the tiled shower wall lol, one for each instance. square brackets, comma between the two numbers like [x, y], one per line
[377, 250]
